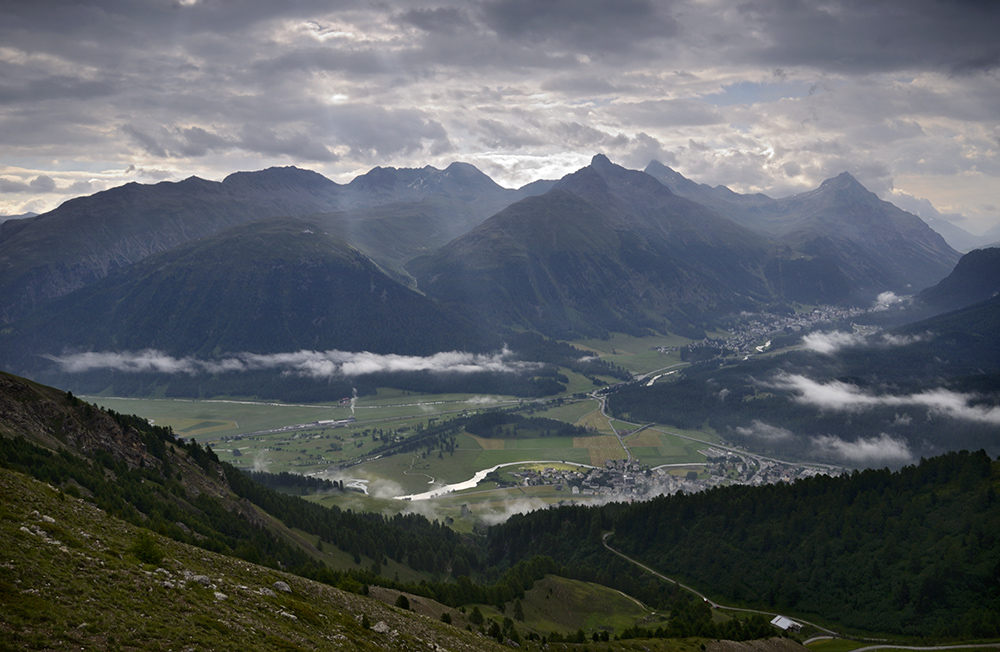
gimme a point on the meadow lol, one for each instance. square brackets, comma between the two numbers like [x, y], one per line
[636, 354]
[278, 437]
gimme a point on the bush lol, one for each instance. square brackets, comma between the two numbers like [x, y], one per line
[403, 602]
[145, 549]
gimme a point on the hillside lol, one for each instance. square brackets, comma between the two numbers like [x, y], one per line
[605, 249]
[270, 286]
[975, 278]
[191, 552]
[145, 475]
[84, 239]
[888, 398]
[273, 287]
[872, 245]
[913, 552]
[75, 576]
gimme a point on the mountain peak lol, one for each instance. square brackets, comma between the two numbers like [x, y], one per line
[601, 162]
[842, 181]
[278, 177]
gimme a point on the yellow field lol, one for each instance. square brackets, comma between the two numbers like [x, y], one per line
[595, 420]
[601, 448]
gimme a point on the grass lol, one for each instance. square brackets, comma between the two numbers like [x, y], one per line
[322, 450]
[636, 354]
[596, 421]
[570, 412]
[556, 604]
[212, 420]
[73, 584]
[836, 645]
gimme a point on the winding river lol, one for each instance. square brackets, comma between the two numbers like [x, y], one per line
[479, 477]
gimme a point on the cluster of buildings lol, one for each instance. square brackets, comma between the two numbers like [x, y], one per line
[728, 467]
[754, 328]
[623, 479]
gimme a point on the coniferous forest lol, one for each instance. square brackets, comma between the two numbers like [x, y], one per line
[913, 552]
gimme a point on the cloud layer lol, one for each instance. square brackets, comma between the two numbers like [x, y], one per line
[864, 451]
[313, 364]
[845, 397]
[829, 343]
[760, 95]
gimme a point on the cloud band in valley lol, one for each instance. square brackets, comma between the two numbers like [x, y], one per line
[312, 364]
[844, 397]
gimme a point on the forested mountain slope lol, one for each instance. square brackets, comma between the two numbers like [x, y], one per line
[606, 249]
[874, 245]
[84, 239]
[975, 278]
[914, 551]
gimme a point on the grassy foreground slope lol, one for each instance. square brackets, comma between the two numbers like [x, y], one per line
[73, 576]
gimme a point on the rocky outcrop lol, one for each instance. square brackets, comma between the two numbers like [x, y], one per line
[58, 420]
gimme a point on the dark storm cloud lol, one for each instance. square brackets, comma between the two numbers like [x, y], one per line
[10, 186]
[446, 20]
[298, 145]
[585, 25]
[373, 132]
[54, 87]
[149, 143]
[199, 142]
[876, 35]
[768, 95]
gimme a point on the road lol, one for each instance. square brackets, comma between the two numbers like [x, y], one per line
[712, 603]
[830, 633]
[602, 400]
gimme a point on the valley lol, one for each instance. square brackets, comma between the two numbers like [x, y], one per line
[474, 479]
[464, 400]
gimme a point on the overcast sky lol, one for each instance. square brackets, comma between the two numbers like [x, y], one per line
[759, 95]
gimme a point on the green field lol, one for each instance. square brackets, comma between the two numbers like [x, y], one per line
[558, 604]
[636, 354]
[212, 420]
[836, 645]
[654, 447]
[570, 412]
[256, 435]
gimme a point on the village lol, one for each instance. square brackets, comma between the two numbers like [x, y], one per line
[628, 480]
[746, 336]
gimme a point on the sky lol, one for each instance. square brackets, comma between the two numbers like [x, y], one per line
[766, 96]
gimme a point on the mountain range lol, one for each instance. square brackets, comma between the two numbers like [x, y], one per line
[875, 244]
[418, 261]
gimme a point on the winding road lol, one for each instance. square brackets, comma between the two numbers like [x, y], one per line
[829, 632]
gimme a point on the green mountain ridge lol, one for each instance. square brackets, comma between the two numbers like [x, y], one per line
[271, 287]
[975, 278]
